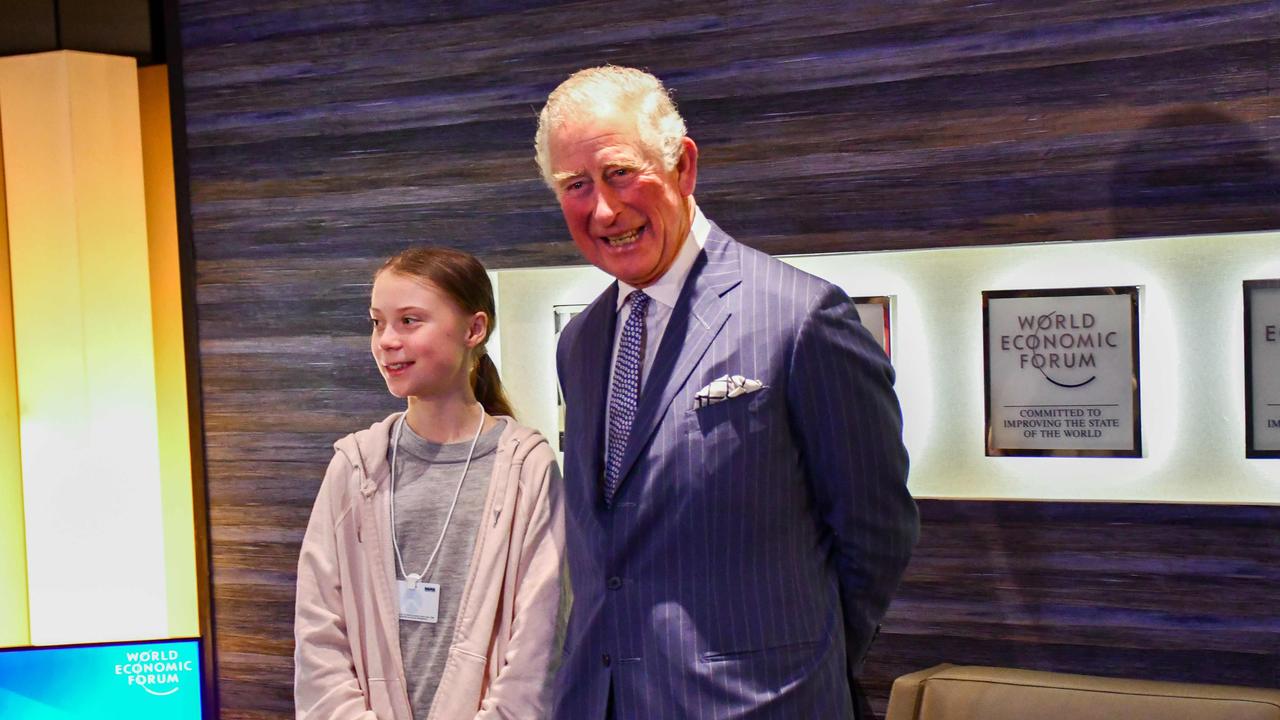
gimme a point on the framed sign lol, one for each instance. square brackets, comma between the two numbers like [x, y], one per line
[875, 313]
[563, 314]
[1262, 368]
[1061, 371]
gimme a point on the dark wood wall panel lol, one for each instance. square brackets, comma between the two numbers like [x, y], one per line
[324, 135]
[1154, 591]
[357, 127]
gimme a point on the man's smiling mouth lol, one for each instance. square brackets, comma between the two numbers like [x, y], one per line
[624, 239]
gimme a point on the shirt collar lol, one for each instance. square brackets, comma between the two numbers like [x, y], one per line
[667, 289]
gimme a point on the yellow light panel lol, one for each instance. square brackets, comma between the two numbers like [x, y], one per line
[170, 354]
[13, 540]
[86, 366]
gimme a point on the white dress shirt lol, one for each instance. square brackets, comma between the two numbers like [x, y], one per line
[663, 295]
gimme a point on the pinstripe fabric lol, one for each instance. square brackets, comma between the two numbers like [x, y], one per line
[753, 544]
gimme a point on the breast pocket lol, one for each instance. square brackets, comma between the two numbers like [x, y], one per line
[731, 418]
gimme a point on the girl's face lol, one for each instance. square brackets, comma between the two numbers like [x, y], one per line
[421, 340]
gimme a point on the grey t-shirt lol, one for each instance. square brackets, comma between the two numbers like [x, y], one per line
[426, 477]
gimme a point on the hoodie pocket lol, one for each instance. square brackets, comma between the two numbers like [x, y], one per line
[380, 699]
[461, 685]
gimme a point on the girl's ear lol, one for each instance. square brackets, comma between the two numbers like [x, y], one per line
[478, 330]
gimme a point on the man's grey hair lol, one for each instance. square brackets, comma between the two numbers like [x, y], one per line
[598, 90]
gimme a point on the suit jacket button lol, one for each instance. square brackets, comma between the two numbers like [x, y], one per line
[606, 660]
[614, 583]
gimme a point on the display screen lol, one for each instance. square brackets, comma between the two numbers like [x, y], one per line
[137, 680]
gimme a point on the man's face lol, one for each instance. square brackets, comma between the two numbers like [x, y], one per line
[626, 213]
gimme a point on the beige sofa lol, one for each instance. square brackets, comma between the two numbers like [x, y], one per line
[954, 692]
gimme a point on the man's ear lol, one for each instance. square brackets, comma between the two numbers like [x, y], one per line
[687, 166]
[478, 330]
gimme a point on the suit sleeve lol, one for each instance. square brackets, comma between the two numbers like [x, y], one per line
[849, 428]
[325, 683]
[522, 688]
[563, 349]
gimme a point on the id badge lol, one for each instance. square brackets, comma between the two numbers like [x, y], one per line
[419, 601]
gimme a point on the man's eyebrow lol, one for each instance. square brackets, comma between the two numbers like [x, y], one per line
[563, 175]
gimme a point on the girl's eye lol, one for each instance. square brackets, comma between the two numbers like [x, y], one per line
[373, 323]
[408, 320]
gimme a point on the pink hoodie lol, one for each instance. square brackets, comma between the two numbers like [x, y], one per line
[347, 657]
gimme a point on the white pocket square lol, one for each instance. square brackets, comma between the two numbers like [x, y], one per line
[725, 387]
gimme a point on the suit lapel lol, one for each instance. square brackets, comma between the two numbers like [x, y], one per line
[700, 312]
[590, 363]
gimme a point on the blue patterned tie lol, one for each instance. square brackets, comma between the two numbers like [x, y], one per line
[626, 390]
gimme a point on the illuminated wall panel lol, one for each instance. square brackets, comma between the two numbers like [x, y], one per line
[170, 355]
[86, 371]
[1192, 334]
[13, 543]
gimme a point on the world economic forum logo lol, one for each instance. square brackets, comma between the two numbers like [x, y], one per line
[159, 672]
[1063, 347]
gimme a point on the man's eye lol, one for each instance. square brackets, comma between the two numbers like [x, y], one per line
[576, 185]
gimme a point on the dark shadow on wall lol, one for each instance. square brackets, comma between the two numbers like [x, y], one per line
[1195, 170]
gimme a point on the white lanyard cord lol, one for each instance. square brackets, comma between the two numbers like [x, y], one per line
[395, 446]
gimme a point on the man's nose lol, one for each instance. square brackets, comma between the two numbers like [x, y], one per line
[606, 206]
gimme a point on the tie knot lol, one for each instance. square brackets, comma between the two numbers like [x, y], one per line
[639, 301]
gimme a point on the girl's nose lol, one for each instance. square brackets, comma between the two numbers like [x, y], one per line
[388, 339]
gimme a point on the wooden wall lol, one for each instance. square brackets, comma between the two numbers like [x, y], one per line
[322, 135]
[1162, 592]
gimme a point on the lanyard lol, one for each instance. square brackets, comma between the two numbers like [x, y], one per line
[395, 445]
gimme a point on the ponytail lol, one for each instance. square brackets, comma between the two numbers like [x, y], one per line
[488, 388]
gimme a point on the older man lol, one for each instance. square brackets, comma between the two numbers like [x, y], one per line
[735, 476]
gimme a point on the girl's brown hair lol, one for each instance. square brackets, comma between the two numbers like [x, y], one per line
[460, 276]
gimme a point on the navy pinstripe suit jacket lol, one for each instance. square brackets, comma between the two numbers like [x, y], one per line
[753, 544]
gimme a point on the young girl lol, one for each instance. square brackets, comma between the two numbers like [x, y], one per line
[428, 583]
